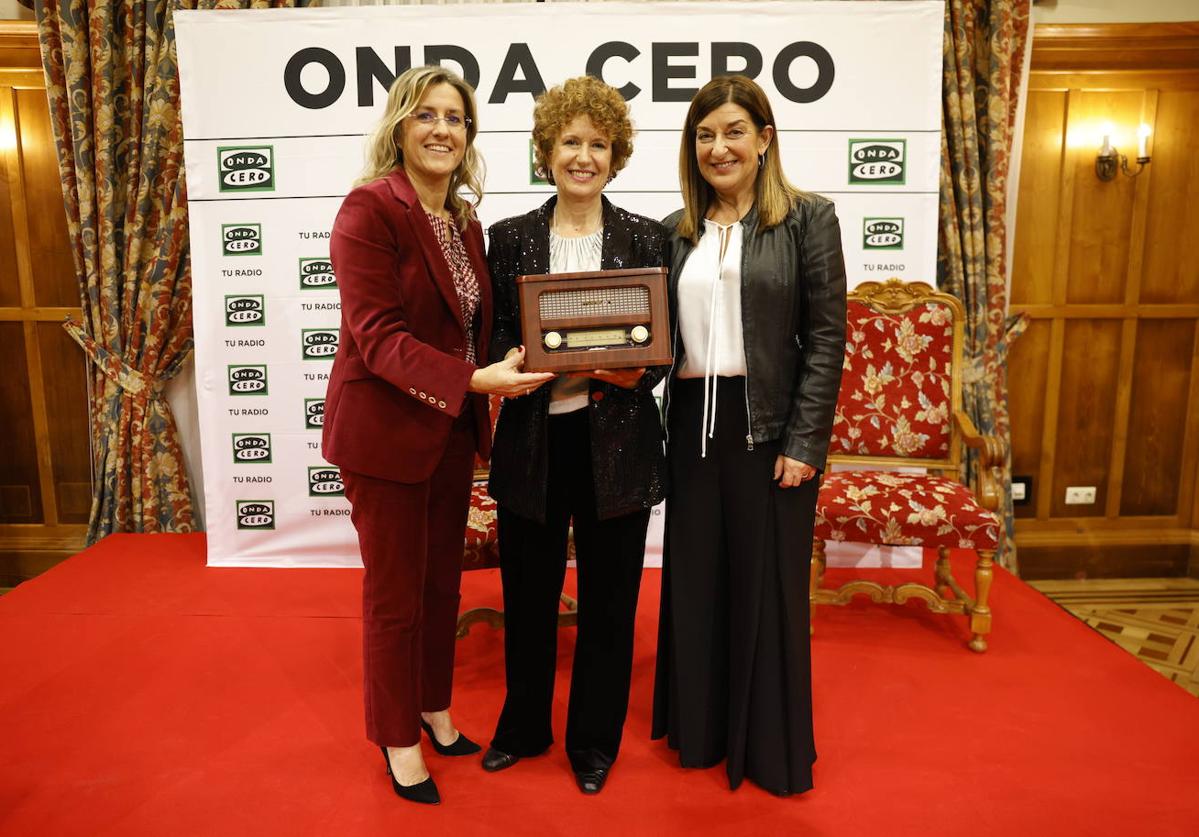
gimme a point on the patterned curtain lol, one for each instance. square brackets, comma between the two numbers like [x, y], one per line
[983, 59]
[113, 88]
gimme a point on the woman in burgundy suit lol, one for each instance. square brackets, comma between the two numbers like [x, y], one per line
[405, 412]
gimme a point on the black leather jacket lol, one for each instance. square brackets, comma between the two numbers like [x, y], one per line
[626, 431]
[793, 322]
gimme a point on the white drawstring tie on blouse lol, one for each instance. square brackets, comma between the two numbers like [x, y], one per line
[707, 428]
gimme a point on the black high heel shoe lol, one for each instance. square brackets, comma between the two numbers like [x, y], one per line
[462, 745]
[424, 792]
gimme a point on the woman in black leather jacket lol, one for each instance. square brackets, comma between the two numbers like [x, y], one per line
[587, 448]
[757, 292]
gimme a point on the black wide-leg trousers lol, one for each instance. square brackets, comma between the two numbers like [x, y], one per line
[609, 555]
[733, 677]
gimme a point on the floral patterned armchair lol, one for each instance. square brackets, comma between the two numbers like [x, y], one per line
[482, 546]
[900, 407]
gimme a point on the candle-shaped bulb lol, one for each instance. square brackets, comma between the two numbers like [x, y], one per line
[1143, 140]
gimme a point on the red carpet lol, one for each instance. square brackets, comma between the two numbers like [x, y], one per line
[144, 694]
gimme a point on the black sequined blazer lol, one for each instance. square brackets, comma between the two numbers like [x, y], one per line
[626, 430]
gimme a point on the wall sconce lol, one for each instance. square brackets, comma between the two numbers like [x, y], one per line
[1109, 161]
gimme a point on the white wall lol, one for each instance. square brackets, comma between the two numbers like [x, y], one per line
[1115, 11]
[1054, 11]
[181, 397]
[12, 10]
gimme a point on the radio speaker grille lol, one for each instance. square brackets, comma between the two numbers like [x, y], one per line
[555, 305]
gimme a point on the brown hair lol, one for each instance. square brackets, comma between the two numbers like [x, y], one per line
[384, 149]
[582, 96]
[774, 194]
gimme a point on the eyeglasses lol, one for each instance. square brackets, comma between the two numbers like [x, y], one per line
[452, 121]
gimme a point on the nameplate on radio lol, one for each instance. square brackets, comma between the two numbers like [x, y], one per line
[604, 319]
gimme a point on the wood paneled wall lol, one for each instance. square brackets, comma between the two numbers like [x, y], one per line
[45, 481]
[1104, 384]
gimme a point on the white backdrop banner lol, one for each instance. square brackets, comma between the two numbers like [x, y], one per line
[276, 107]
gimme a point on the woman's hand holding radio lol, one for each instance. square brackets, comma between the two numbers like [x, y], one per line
[505, 378]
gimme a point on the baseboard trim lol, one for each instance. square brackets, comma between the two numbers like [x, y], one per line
[28, 551]
[1106, 537]
[1107, 558]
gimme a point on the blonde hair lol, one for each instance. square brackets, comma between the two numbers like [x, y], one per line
[384, 150]
[582, 96]
[773, 193]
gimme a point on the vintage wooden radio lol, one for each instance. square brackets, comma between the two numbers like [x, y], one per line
[604, 319]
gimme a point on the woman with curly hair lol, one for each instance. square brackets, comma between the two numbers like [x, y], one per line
[587, 448]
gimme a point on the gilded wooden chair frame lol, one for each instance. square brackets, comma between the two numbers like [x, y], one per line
[945, 595]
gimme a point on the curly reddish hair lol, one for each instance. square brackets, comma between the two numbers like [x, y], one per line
[582, 96]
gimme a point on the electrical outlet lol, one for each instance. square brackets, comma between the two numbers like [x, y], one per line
[1080, 495]
[1021, 490]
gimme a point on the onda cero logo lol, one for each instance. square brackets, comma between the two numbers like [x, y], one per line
[246, 168]
[255, 514]
[314, 413]
[882, 234]
[251, 448]
[317, 274]
[325, 481]
[241, 239]
[247, 380]
[878, 161]
[318, 343]
[245, 310]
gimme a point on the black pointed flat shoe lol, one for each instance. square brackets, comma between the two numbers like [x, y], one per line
[591, 781]
[423, 792]
[462, 745]
[495, 760]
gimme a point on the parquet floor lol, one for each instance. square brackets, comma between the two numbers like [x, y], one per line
[1156, 619]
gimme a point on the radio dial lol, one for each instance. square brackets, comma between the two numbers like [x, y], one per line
[552, 339]
[639, 334]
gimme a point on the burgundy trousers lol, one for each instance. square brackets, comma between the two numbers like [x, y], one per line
[411, 536]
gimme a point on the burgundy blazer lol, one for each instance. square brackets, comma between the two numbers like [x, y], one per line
[400, 376]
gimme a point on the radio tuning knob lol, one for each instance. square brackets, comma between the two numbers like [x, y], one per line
[552, 339]
[639, 334]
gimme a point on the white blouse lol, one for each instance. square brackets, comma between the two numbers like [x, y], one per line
[709, 315]
[710, 305]
[572, 255]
